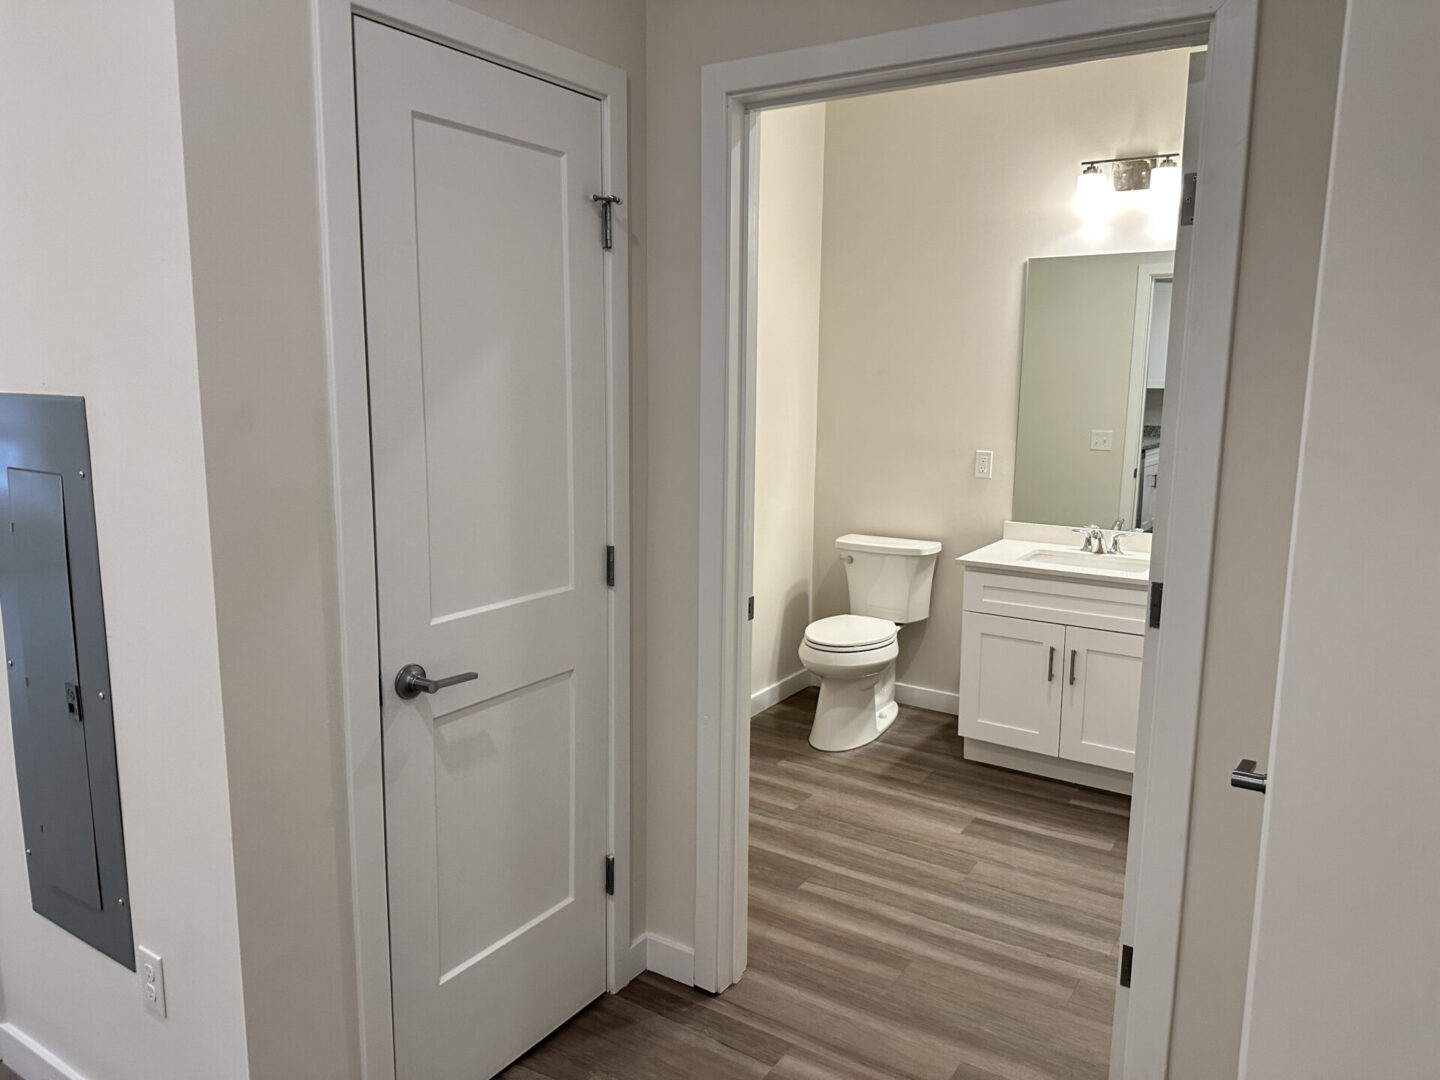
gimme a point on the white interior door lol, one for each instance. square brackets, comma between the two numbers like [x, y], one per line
[1011, 675]
[1140, 1051]
[1345, 950]
[485, 333]
[1102, 697]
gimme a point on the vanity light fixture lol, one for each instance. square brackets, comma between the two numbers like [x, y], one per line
[1101, 180]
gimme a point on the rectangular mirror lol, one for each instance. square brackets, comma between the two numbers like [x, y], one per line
[1092, 383]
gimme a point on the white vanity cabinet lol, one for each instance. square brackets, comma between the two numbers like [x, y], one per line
[1050, 675]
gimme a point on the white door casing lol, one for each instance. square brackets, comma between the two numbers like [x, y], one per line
[1011, 682]
[1101, 711]
[1202, 320]
[486, 335]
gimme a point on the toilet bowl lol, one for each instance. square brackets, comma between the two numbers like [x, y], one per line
[854, 655]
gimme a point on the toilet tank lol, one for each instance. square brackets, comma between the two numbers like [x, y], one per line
[890, 577]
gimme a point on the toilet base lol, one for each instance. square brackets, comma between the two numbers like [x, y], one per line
[853, 712]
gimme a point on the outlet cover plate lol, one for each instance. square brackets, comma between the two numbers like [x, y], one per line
[152, 981]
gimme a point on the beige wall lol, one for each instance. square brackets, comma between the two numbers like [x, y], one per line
[787, 357]
[1074, 379]
[95, 301]
[1280, 249]
[250, 174]
[923, 293]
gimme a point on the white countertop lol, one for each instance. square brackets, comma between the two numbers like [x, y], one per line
[1016, 556]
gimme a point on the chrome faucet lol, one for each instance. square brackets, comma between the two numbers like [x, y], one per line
[1115, 540]
[1094, 538]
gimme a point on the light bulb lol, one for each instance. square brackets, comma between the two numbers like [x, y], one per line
[1164, 197]
[1094, 195]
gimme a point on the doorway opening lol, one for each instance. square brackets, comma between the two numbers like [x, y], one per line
[945, 687]
[949, 795]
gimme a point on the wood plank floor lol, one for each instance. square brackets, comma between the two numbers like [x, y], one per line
[912, 915]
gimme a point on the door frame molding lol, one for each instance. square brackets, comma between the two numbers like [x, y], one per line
[1066, 30]
[1146, 275]
[488, 39]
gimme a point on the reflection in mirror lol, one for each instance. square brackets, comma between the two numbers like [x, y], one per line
[1092, 383]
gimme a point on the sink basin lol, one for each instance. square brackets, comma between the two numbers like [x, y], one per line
[1139, 565]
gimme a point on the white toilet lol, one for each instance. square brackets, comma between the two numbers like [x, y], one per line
[854, 654]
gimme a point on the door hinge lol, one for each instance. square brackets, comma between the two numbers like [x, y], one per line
[1187, 198]
[1157, 592]
[1127, 959]
[750, 609]
[609, 875]
[610, 566]
[607, 212]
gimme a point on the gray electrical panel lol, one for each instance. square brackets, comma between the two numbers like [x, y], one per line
[59, 671]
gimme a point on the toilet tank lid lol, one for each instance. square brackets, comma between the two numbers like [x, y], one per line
[887, 545]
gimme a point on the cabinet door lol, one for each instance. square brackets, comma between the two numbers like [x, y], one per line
[1102, 697]
[1010, 681]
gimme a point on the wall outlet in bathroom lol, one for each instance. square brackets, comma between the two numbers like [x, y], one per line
[984, 464]
[1100, 440]
[152, 980]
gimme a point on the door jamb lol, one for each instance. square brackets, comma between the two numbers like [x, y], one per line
[1165, 760]
[489, 39]
[1145, 278]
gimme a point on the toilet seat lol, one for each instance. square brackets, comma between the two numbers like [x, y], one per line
[850, 634]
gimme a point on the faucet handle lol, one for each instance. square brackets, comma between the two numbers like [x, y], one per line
[1115, 540]
[1094, 539]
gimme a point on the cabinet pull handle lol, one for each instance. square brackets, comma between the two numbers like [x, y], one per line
[1050, 670]
[1072, 666]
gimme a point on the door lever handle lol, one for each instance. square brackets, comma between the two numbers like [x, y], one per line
[411, 681]
[1245, 777]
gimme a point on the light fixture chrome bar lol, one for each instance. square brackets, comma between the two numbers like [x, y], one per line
[1135, 157]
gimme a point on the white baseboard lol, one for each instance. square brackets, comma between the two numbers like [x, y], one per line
[635, 960]
[777, 692]
[670, 958]
[29, 1060]
[922, 697]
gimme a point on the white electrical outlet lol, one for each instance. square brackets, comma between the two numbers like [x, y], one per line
[1100, 440]
[152, 980]
[984, 464]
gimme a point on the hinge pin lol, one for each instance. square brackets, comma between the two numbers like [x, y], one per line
[607, 207]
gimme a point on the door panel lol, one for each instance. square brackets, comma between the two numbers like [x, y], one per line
[482, 260]
[1010, 680]
[1101, 713]
[485, 332]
